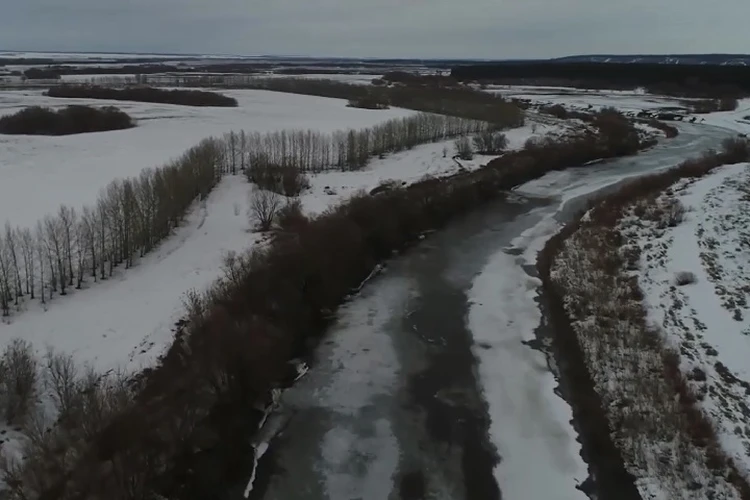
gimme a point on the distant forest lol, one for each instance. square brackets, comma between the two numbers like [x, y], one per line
[143, 94]
[680, 80]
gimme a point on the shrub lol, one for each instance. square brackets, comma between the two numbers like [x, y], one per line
[37, 120]
[685, 278]
[19, 378]
[557, 110]
[293, 181]
[144, 94]
[264, 205]
[735, 149]
[490, 142]
[368, 102]
[62, 378]
[290, 217]
[464, 149]
[287, 180]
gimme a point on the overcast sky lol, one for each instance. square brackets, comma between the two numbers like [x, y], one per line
[378, 28]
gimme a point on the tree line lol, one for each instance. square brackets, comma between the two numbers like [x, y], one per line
[311, 151]
[144, 94]
[462, 101]
[681, 80]
[131, 216]
[38, 120]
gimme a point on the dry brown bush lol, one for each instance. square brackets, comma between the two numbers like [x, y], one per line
[685, 278]
[290, 217]
[19, 380]
[264, 205]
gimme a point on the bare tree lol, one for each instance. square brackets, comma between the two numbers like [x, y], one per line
[231, 143]
[464, 149]
[81, 236]
[67, 220]
[61, 375]
[90, 226]
[27, 250]
[263, 206]
[5, 279]
[41, 251]
[242, 147]
[10, 248]
[19, 379]
[55, 252]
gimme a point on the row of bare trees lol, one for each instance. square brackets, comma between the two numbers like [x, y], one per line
[130, 217]
[133, 215]
[311, 151]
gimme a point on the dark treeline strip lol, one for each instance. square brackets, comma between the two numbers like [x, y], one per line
[37, 120]
[578, 290]
[310, 151]
[462, 102]
[41, 74]
[671, 79]
[188, 433]
[144, 94]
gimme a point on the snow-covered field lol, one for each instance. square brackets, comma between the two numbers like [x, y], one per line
[127, 321]
[626, 101]
[41, 173]
[434, 160]
[738, 120]
[696, 280]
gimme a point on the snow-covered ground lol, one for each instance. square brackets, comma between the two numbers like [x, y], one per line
[626, 101]
[738, 120]
[696, 281]
[434, 160]
[41, 173]
[128, 320]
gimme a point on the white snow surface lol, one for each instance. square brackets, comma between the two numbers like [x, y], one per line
[427, 160]
[707, 321]
[738, 120]
[530, 424]
[127, 321]
[41, 173]
[626, 101]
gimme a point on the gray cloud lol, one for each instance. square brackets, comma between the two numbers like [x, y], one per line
[385, 28]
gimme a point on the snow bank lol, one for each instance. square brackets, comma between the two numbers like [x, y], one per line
[530, 424]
